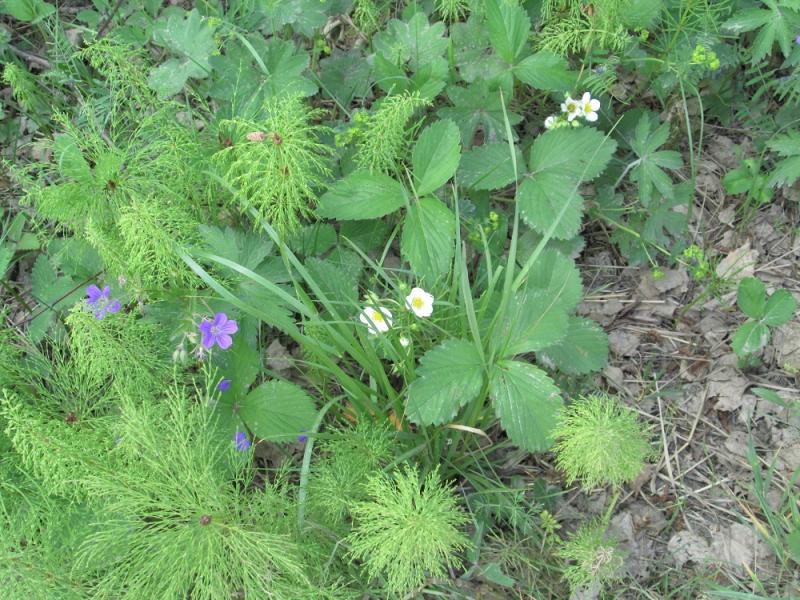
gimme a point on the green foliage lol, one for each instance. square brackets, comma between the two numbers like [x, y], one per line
[786, 170]
[763, 312]
[600, 442]
[594, 558]
[382, 136]
[407, 529]
[277, 164]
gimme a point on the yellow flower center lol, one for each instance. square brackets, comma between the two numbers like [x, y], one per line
[376, 316]
[587, 108]
[418, 302]
[572, 107]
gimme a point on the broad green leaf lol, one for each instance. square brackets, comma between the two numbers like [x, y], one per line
[751, 337]
[509, 26]
[541, 200]
[793, 542]
[54, 292]
[536, 320]
[240, 364]
[449, 377]
[752, 297]
[556, 276]
[6, 255]
[192, 40]
[345, 75]
[435, 156]
[488, 167]
[546, 71]
[527, 402]
[584, 349]
[477, 106]
[362, 195]
[243, 248]
[473, 56]
[29, 11]
[313, 239]
[779, 309]
[786, 171]
[415, 42]
[337, 276]
[428, 239]
[367, 235]
[581, 154]
[647, 173]
[277, 411]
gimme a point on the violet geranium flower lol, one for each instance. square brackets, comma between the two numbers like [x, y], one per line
[218, 331]
[101, 302]
[224, 385]
[241, 441]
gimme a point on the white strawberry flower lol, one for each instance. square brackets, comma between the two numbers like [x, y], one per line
[404, 341]
[378, 320]
[589, 107]
[550, 122]
[572, 108]
[420, 302]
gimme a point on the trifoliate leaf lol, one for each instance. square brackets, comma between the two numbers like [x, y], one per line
[752, 297]
[192, 40]
[581, 154]
[584, 349]
[344, 76]
[779, 309]
[648, 174]
[362, 195]
[435, 157]
[551, 200]
[775, 24]
[449, 377]
[428, 239]
[473, 56]
[527, 402]
[786, 171]
[488, 167]
[29, 11]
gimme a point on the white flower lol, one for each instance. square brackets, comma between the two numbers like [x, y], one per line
[420, 302]
[572, 107]
[550, 122]
[404, 341]
[378, 320]
[589, 107]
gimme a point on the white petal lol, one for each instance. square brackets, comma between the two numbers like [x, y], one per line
[587, 97]
[595, 104]
[592, 116]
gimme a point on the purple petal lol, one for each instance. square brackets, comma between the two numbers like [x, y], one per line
[224, 385]
[224, 341]
[241, 441]
[100, 313]
[302, 438]
[106, 292]
[208, 340]
[94, 293]
[114, 306]
[229, 328]
[220, 319]
[205, 327]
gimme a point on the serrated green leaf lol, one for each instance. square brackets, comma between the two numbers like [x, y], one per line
[546, 71]
[6, 255]
[243, 248]
[509, 26]
[313, 239]
[752, 297]
[535, 320]
[415, 42]
[556, 276]
[337, 277]
[488, 167]
[362, 195]
[29, 11]
[449, 377]
[584, 349]
[779, 308]
[527, 402]
[277, 411]
[191, 38]
[428, 239]
[477, 106]
[541, 200]
[435, 157]
[241, 364]
[751, 337]
[345, 75]
[580, 154]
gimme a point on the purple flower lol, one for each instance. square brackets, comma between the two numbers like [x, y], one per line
[302, 438]
[218, 331]
[241, 441]
[797, 40]
[224, 385]
[101, 301]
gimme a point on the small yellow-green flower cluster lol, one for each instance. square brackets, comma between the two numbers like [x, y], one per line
[705, 56]
[698, 263]
[573, 109]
